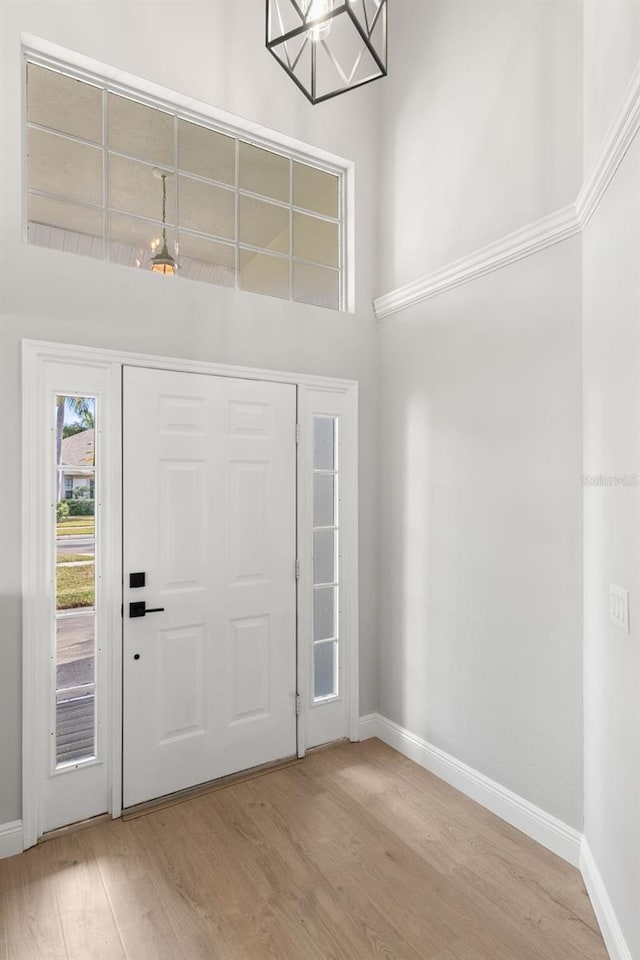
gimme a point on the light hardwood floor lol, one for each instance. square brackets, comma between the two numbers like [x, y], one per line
[356, 853]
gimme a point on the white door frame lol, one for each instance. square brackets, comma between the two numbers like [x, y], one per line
[36, 355]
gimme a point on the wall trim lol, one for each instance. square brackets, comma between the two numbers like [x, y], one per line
[522, 243]
[603, 908]
[552, 229]
[10, 838]
[617, 140]
[536, 823]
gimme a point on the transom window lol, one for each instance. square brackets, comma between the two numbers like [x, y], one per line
[114, 178]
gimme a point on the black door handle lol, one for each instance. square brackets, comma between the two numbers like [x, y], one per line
[138, 608]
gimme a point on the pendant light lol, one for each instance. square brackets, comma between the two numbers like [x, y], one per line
[328, 46]
[163, 262]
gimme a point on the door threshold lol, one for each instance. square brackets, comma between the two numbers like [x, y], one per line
[73, 827]
[211, 786]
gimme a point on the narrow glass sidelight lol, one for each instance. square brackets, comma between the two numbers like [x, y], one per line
[326, 566]
[74, 676]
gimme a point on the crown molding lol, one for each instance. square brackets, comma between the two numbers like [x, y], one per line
[515, 246]
[535, 237]
[617, 140]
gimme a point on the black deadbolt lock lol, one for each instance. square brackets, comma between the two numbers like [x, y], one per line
[136, 580]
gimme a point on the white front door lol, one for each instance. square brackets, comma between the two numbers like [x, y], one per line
[209, 501]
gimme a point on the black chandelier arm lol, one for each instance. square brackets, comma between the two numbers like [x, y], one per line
[307, 25]
[366, 38]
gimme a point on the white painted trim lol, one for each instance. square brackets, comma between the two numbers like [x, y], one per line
[617, 140]
[522, 243]
[10, 838]
[77, 353]
[552, 229]
[368, 726]
[602, 906]
[542, 827]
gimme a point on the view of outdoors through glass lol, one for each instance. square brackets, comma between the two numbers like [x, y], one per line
[75, 674]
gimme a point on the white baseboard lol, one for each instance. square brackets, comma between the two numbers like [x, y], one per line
[602, 906]
[10, 838]
[542, 827]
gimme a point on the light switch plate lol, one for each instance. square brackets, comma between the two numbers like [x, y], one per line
[619, 607]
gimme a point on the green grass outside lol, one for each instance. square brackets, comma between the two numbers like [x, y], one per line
[76, 527]
[73, 557]
[75, 586]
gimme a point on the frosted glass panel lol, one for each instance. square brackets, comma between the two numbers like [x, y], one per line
[206, 153]
[324, 670]
[324, 613]
[261, 273]
[207, 260]
[264, 225]
[64, 103]
[317, 285]
[134, 242]
[324, 443]
[315, 190]
[324, 560]
[264, 172]
[140, 131]
[133, 188]
[323, 501]
[68, 169]
[207, 209]
[315, 240]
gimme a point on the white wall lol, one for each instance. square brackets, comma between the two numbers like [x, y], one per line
[611, 343]
[480, 599]
[482, 126]
[480, 400]
[213, 51]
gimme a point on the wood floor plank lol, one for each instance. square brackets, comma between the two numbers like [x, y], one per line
[30, 915]
[356, 854]
[85, 912]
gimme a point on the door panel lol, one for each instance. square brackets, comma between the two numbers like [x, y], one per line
[209, 516]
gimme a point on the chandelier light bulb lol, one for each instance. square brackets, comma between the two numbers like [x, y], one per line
[319, 8]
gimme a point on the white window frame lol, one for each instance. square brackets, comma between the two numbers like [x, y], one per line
[45, 367]
[50, 55]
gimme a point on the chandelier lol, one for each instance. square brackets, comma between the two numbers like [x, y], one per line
[328, 46]
[163, 262]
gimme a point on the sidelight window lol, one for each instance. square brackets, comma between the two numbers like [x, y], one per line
[74, 674]
[234, 213]
[326, 516]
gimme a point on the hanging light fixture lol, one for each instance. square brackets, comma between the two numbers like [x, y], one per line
[163, 262]
[328, 46]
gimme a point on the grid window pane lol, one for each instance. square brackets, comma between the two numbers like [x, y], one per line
[64, 167]
[324, 618]
[323, 500]
[140, 131]
[261, 273]
[134, 189]
[316, 240]
[75, 651]
[264, 225]
[315, 190]
[65, 226]
[95, 166]
[206, 153]
[324, 443]
[317, 285]
[324, 556]
[324, 670]
[134, 242]
[264, 172]
[64, 103]
[207, 260]
[207, 209]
